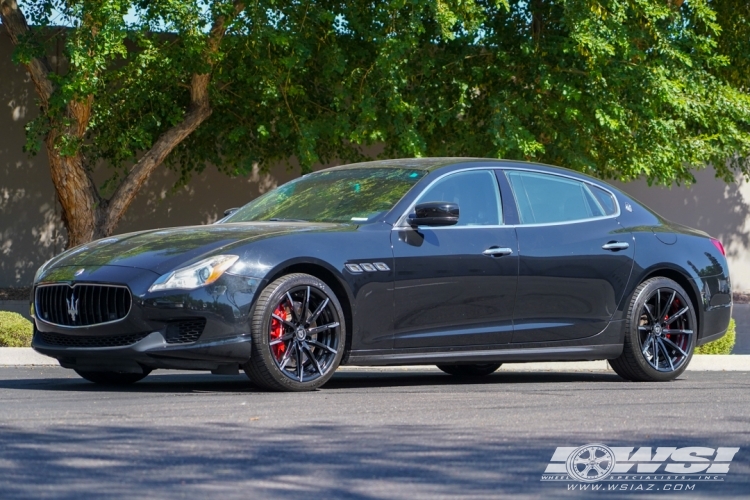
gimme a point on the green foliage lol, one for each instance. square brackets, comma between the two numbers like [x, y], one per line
[722, 346]
[733, 16]
[15, 330]
[615, 88]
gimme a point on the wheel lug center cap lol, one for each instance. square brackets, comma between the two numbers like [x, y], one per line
[658, 330]
[301, 333]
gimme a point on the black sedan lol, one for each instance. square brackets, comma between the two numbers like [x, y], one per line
[461, 263]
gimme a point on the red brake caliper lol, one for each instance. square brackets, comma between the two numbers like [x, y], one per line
[277, 331]
[675, 308]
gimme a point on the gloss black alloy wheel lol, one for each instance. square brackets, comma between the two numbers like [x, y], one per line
[472, 370]
[660, 333]
[298, 333]
[113, 378]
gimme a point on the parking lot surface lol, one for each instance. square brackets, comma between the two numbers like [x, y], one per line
[366, 434]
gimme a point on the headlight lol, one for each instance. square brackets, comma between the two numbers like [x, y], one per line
[195, 276]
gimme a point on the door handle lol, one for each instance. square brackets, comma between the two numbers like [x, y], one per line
[497, 252]
[615, 245]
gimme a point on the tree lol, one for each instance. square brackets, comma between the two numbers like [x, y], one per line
[615, 88]
[69, 110]
[733, 17]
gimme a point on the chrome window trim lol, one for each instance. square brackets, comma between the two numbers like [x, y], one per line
[578, 221]
[493, 226]
[58, 283]
[401, 223]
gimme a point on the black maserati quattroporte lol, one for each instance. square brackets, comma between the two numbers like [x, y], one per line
[460, 263]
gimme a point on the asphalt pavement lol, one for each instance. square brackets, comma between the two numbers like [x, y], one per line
[367, 434]
[741, 315]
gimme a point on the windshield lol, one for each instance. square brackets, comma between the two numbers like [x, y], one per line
[349, 195]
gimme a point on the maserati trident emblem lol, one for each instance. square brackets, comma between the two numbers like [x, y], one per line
[72, 306]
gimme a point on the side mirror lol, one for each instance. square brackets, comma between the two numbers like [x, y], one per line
[434, 213]
[230, 211]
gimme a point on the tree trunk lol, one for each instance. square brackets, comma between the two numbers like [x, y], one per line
[537, 22]
[80, 206]
[75, 191]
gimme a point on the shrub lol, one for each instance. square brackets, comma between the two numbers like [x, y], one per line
[722, 346]
[15, 330]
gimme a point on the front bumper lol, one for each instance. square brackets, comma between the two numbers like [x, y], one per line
[151, 352]
[150, 336]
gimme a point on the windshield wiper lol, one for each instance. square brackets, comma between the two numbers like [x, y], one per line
[279, 219]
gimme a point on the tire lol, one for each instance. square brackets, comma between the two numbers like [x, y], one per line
[113, 378]
[293, 351]
[475, 370]
[654, 350]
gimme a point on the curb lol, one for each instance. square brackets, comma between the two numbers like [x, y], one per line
[25, 356]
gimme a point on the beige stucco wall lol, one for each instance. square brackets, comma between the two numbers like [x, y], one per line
[29, 217]
[30, 230]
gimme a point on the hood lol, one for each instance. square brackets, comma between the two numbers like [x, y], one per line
[164, 249]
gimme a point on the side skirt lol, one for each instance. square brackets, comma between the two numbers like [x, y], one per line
[605, 345]
[510, 355]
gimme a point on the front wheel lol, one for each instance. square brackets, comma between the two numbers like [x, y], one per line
[298, 334]
[660, 333]
[113, 378]
[475, 370]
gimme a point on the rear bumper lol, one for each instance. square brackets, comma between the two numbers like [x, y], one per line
[715, 323]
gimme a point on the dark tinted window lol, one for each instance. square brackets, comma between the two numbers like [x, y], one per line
[476, 193]
[348, 195]
[546, 198]
[606, 200]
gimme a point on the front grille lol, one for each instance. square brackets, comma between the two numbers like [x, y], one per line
[82, 304]
[59, 339]
[186, 331]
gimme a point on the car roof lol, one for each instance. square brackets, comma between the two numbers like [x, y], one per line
[432, 164]
[410, 163]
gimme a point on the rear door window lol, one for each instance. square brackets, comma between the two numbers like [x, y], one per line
[545, 198]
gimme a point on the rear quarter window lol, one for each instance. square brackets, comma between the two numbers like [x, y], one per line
[605, 199]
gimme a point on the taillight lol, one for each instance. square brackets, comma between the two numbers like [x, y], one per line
[719, 246]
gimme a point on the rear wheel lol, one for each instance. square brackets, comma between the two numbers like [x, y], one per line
[112, 378]
[475, 370]
[660, 333]
[298, 333]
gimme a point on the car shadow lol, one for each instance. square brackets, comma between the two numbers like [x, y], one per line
[195, 383]
[371, 379]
